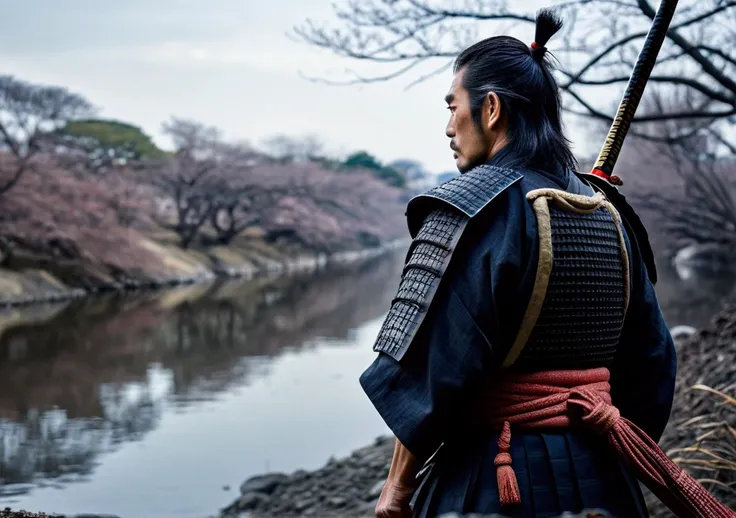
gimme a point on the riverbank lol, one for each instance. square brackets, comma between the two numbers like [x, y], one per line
[66, 233]
[42, 279]
[350, 487]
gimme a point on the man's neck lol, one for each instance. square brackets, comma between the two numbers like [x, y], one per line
[501, 157]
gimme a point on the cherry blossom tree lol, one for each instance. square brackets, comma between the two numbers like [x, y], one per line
[29, 113]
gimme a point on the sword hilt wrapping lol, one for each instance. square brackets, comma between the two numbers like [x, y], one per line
[635, 90]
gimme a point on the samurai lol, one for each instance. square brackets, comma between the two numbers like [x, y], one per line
[524, 366]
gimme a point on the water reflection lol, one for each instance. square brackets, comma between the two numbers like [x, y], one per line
[82, 379]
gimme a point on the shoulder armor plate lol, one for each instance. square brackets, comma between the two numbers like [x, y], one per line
[468, 193]
[436, 219]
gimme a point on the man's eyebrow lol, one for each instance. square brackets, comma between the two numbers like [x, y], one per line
[449, 98]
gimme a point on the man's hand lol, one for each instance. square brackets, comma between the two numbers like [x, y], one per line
[400, 485]
[394, 501]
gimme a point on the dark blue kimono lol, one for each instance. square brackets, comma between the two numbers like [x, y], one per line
[470, 324]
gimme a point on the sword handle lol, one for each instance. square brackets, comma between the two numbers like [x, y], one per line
[634, 91]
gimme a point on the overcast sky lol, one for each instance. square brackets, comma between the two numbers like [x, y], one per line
[227, 63]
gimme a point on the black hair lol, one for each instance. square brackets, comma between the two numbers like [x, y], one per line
[521, 76]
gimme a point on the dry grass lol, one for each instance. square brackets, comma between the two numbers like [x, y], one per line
[701, 434]
[711, 458]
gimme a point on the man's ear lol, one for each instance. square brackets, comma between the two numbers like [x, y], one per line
[493, 111]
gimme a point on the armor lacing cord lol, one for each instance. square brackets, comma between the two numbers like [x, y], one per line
[561, 399]
[582, 204]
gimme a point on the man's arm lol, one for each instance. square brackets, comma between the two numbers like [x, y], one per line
[423, 395]
[400, 484]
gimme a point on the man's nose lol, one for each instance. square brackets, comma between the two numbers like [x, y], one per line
[450, 130]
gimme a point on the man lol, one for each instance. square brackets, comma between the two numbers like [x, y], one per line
[519, 271]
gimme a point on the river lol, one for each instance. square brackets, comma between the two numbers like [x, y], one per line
[161, 405]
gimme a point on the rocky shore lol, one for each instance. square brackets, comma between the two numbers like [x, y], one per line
[350, 487]
[347, 487]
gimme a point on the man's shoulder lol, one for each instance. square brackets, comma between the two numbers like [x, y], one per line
[465, 195]
[453, 217]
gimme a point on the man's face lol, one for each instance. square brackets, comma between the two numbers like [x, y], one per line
[470, 145]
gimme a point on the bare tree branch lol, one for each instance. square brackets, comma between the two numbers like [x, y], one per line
[691, 49]
[724, 142]
[694, 114]
[673, 80]
[406, 34]
[719, 53]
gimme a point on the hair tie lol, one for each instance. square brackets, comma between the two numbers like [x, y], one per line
[538, 51]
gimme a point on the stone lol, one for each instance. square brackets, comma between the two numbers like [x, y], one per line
[301, 475]
[265, 484]
[252, 501]
[302, 505]
[337, 501]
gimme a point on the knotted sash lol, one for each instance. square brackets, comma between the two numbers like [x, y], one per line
[564, 399]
